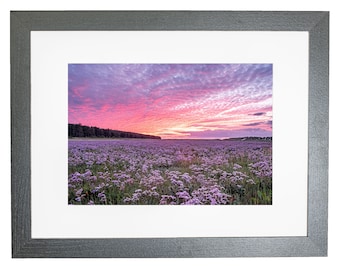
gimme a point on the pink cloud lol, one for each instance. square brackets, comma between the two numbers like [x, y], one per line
[171, 100]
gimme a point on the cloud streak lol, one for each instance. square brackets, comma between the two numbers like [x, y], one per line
[171, 100]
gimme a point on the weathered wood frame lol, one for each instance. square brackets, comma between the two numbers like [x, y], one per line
[315, 23]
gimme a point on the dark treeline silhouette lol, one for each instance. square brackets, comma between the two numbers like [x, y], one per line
[78, 130]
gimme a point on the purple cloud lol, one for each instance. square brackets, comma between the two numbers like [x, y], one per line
[160, 98]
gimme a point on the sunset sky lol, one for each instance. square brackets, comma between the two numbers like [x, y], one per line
[180, 101]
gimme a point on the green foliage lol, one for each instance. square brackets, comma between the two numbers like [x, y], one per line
[238, 175]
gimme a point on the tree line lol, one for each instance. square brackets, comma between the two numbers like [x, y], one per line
[78, 130]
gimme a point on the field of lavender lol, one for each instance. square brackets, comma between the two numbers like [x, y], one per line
[187, 172]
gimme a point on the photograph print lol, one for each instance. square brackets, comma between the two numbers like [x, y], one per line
[170, 134]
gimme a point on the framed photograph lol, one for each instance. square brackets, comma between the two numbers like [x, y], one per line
[169, 133]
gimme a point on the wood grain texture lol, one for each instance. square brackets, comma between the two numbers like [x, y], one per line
[20, 134]
[315, 244]
[318, 132]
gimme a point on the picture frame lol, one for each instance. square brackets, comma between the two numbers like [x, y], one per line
[316, 23]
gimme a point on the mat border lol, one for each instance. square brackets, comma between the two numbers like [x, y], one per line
[316, 23]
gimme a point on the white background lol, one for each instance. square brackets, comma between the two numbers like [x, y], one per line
[331, 262]
[50, 54]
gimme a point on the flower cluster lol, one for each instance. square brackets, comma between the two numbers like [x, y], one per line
[169, 172]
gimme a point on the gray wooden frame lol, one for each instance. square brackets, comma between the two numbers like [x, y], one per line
[316, 23]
